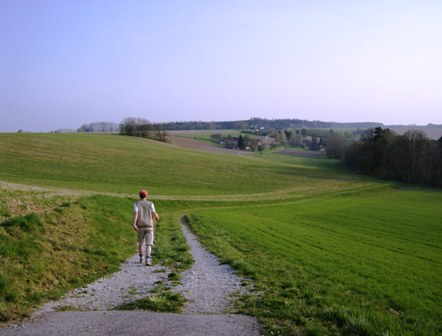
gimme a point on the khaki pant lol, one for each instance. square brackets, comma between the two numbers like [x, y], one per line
[145, 235]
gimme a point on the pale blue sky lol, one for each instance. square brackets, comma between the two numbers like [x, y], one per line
[65, 63]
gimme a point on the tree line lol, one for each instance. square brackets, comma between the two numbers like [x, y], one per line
[143, 128]
[411, 157]
[256, 123]
[129, 126]
[99, 127]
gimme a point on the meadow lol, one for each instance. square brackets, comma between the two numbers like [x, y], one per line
[327, 251]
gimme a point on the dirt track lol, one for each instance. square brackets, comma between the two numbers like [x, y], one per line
[207, 286]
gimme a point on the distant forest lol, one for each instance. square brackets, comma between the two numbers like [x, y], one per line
[254, 123]
[433, 131]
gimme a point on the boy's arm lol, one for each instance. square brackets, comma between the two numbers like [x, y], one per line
[155, 215]
[135, 220]
[154, 212]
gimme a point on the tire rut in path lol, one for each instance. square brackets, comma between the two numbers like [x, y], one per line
[207, 286]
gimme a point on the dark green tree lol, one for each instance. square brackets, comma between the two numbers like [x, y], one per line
[241, 143]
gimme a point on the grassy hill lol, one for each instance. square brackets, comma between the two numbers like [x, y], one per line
[328, 251]
[117, 164]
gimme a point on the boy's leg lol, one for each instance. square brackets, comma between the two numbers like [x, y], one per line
[140, 252]
[140, 234]
[149, 242]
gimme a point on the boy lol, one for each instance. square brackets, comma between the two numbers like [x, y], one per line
[144, 212]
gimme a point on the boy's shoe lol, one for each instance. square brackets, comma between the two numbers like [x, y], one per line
[141, 260]
[148, 261]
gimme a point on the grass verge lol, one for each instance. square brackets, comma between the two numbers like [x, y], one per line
[58, 243]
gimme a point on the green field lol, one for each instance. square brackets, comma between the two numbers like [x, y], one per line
[327, 251]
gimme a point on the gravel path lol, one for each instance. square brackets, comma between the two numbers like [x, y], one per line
[134, 281]
[208, 287]
[139, 323]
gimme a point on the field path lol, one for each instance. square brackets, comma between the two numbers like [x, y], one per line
[207, 285]
[89, 311]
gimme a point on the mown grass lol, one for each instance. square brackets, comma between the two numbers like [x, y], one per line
[328, 252]
[113, 163]
[364, 264]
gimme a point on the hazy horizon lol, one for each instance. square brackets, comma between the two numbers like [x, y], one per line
[68, 63]
[432, 130]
